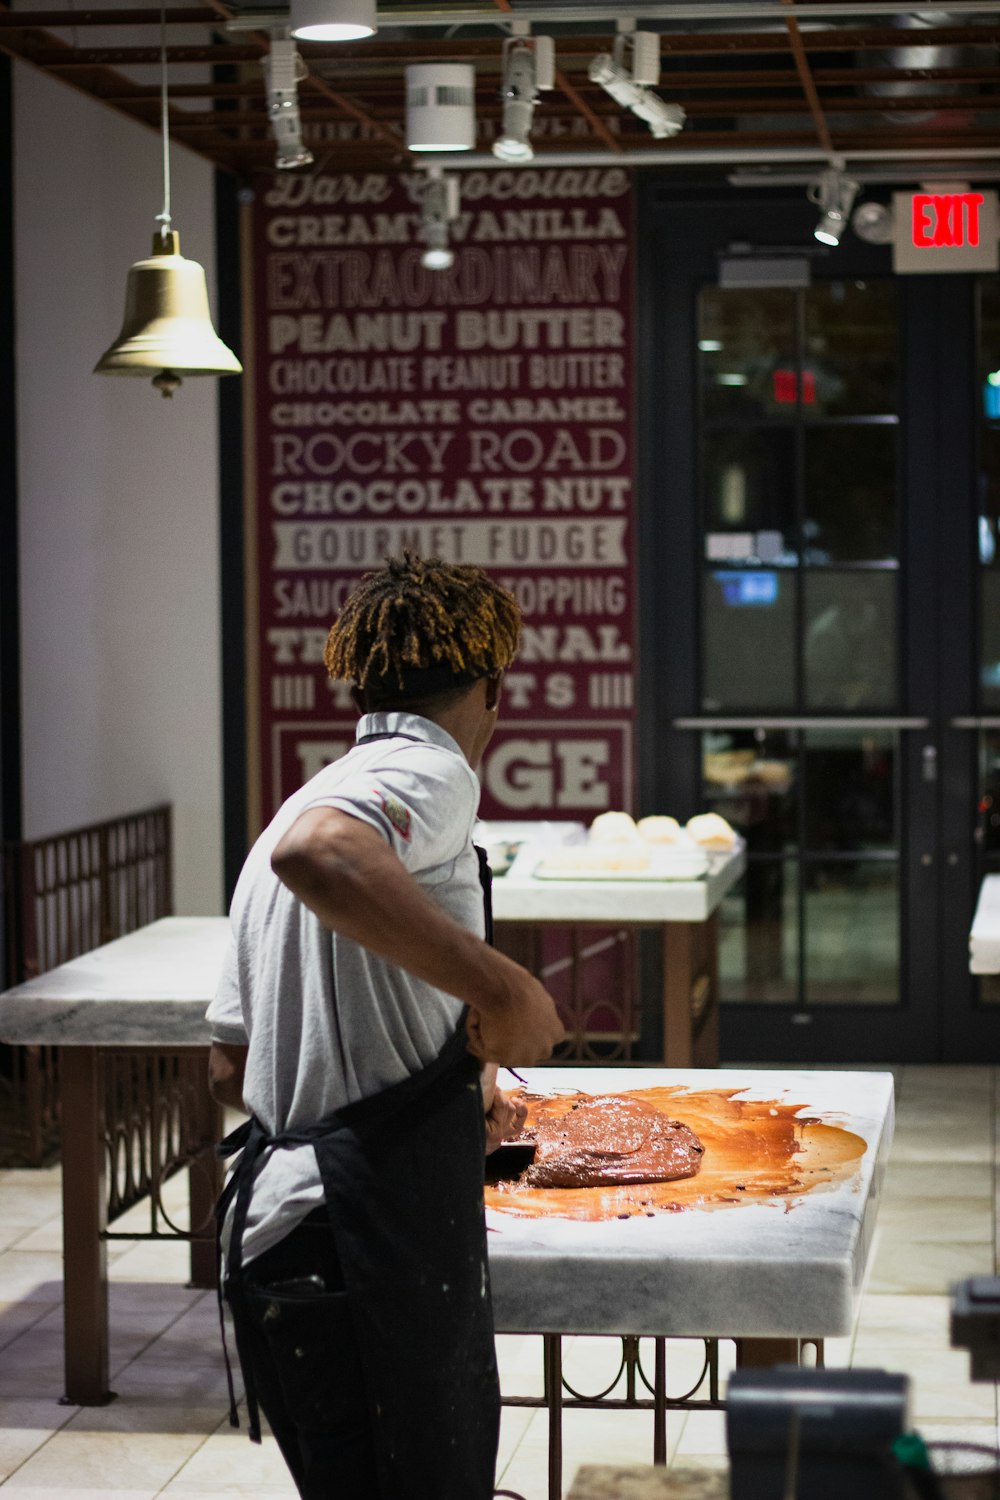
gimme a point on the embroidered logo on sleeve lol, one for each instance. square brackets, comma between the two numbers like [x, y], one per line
[398, 815]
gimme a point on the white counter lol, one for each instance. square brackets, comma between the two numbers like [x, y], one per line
[783, 1268]
[151, 988]
[984, 939]
[519, 899]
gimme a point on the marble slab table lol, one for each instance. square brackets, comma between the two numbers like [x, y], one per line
[129, 1022]
[984, 939]
[768, 1277]
[683, 910]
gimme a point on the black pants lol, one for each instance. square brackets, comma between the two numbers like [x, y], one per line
[295, 1332]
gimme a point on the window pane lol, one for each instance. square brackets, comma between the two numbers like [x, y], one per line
[850, 494]
[852, 932]
[748, 496]
[850, 640]
[759, 935]
[849, 367]
[743, 339]
[989, 662]
[989, 790]
[749, 777]
[748, 639]
[850, 790]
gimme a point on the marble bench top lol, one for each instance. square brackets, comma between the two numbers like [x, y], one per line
[520, 899]
[984, 939]
[642, 1482]
[767, 1269]
[150, 989]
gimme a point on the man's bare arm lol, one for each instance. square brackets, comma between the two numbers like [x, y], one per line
[343, 870]
[226, 1066]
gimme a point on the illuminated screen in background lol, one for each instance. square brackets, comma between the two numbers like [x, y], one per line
[754, 589]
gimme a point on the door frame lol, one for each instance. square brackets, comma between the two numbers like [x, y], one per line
[682, 227]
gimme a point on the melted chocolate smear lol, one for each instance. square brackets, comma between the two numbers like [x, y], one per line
[753, 1150]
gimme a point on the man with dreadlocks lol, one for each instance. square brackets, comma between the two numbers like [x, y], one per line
[360, 1018]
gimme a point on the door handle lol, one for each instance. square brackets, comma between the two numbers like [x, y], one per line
[928, 761]
[984, 721]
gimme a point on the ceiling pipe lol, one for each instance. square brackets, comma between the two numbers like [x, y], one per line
[715, 10]
[678, 156]
[533, 15]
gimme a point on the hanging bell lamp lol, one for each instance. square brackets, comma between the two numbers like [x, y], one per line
[167, 330]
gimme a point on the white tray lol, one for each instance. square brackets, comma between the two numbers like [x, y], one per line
[681, 864]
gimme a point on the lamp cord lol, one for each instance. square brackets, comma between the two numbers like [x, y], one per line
[164, 219]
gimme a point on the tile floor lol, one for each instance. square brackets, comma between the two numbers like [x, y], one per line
[167, 1434]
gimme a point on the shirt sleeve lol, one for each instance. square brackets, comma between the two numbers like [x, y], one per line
[225, 1013]
[423, 803]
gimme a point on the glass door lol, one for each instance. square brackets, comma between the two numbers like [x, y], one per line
[800, 716]
[822, 502]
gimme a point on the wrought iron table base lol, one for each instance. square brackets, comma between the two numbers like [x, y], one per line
[749, 1353]
[131, 1118]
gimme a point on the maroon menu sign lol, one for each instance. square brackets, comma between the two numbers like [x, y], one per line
[480, 414]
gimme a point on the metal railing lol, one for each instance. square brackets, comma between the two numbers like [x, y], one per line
[65, 895]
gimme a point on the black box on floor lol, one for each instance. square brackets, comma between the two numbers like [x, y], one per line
[818, 1434]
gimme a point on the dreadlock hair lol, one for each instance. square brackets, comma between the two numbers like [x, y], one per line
[420, 631]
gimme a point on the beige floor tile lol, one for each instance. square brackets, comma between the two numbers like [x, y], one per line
[24, 1427]
[704, 1433]
[44, 1237]
[154, 1260]
[142, 1462]
[911, 1179]
[33, 1276]
[927, 1146]
[228, 1463]
[134, 1415]
[956, 1220]
[837, 1353]
[905, 1318]
[588, 1437]
[49, 1490]
[927, 1267]
[515, 1422]
[29, 1204]
[193, 1385]
[16, 1317]
[940, 1077]
[32, 1367]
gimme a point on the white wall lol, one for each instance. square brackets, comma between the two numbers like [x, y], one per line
[118, 495]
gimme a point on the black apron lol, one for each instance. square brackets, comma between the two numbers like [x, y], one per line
[402, 1177]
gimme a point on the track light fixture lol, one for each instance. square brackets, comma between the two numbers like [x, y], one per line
[528, 67]
[284, 70]
[331, 20]
[834, 193]
[440, 107]
[438, 206]
[873, 222]
[628, 84]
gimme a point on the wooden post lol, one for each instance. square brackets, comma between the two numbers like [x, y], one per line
[678, 979]
[205, 1176]
[85, 1211]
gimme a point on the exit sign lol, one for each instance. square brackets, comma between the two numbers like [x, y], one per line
[946, 227]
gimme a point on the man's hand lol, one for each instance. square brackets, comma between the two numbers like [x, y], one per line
[520, 1033]
[504, 1119]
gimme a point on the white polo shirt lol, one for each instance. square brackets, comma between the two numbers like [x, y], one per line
[328, 1022]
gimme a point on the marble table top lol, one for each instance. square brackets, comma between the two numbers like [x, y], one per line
[150, 988]
[517, 898]
[775, 1268]
[643, 1482]
[984, 939]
